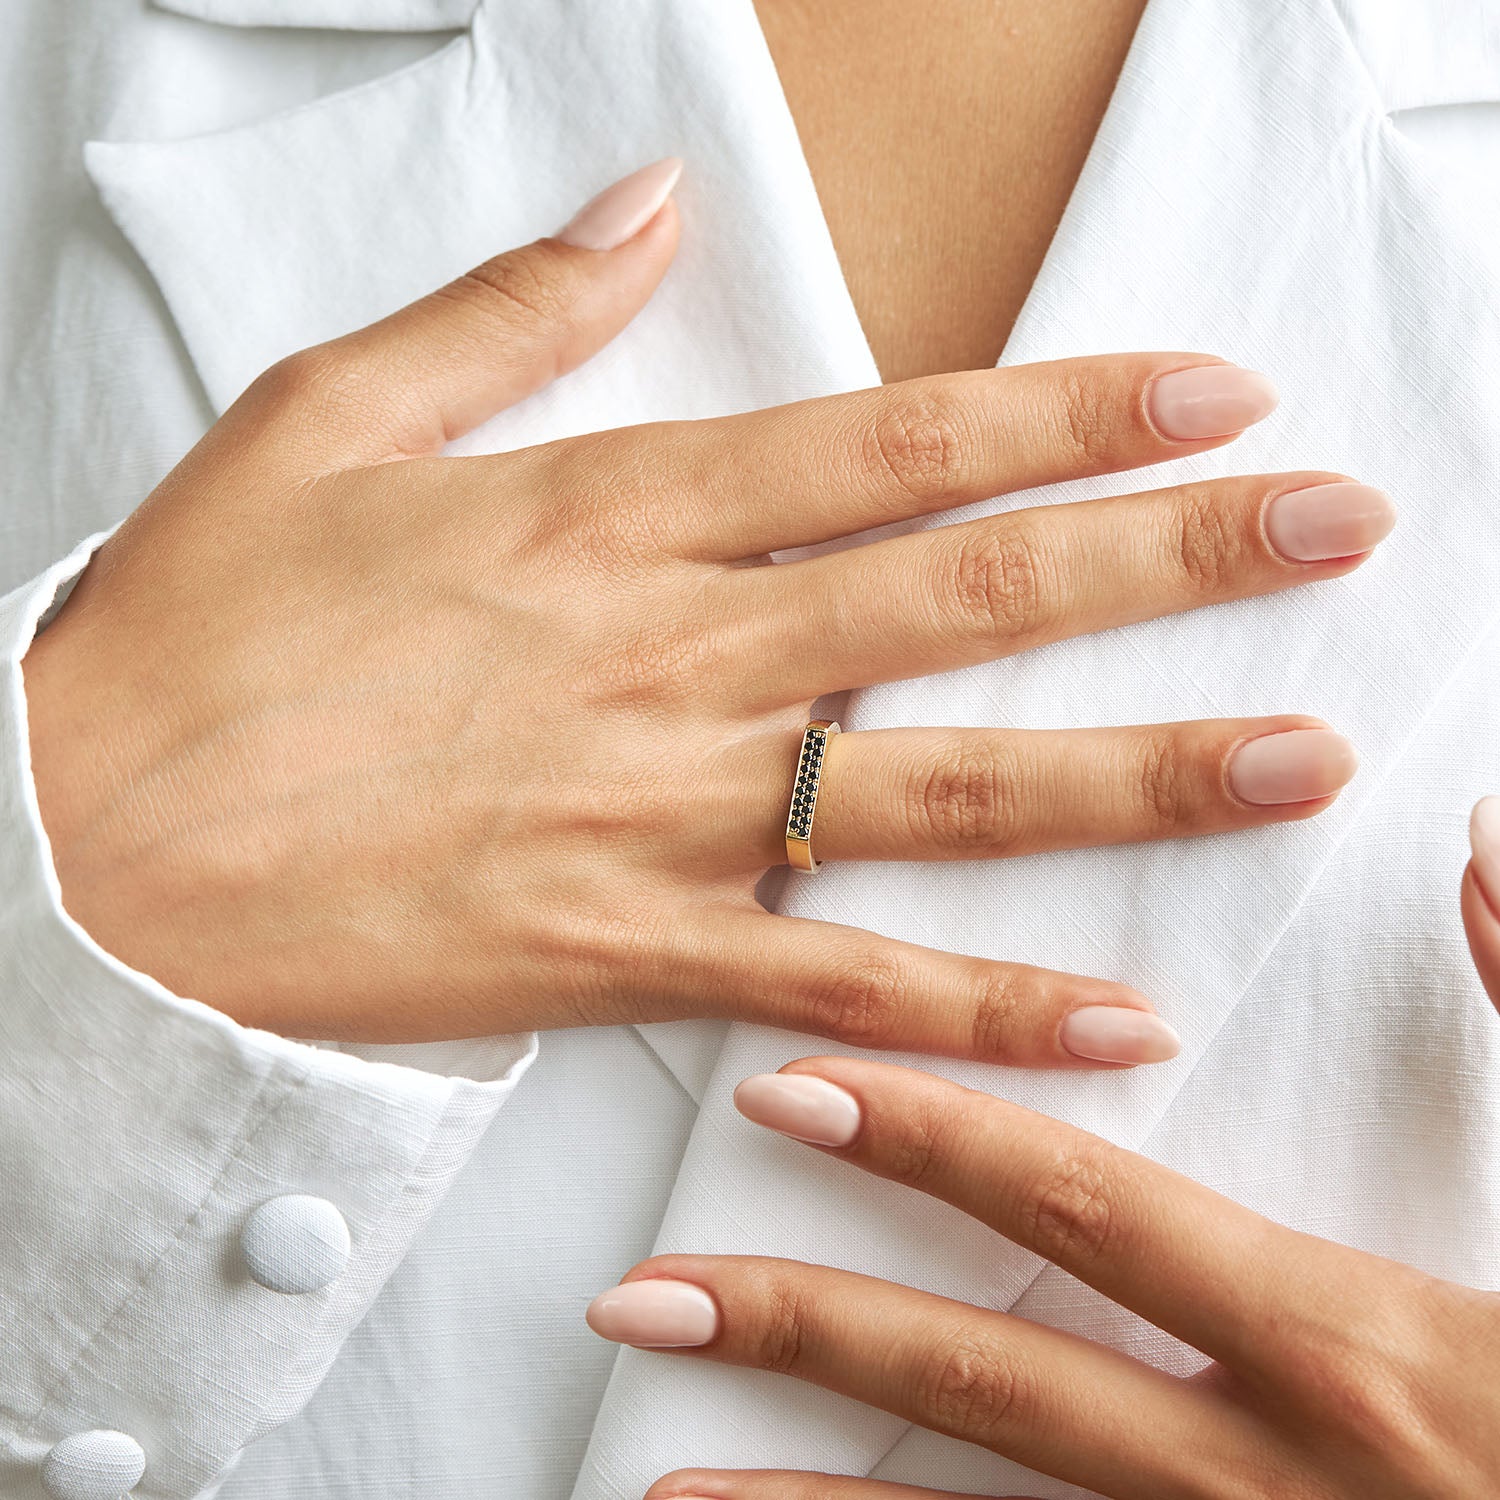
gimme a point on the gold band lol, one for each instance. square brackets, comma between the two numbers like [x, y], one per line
[799, 818]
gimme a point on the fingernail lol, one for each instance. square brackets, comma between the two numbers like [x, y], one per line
[807, 1109]
[624, 208]
[1209, 401]
[1295, 766]
[655, 1315]
[1109, 1033]
[1329, 520]
[1484, 840]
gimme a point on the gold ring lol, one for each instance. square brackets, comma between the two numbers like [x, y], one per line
[799, 818]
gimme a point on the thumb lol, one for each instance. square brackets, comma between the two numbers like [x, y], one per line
[405, 386]
[1481, 894]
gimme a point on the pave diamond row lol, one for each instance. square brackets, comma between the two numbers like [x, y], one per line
[805, 792]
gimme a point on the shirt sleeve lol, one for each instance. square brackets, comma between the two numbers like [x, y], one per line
[195, 1215]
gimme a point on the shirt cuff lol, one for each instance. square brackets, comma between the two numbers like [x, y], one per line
[197, 1214]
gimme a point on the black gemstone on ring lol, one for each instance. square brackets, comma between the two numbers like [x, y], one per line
[805, 789]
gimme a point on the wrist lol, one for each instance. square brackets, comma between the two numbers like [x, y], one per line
[109, 845]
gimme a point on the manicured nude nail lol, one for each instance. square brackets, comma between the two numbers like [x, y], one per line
[1209, 401]
[623, 209]
[1298, 765]
[807, 1109]
[1111, 1033]
[1484, 840]
[655, 1315]
[1329, 520]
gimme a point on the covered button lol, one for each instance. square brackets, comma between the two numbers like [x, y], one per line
[296, 1244]
[93, 1466]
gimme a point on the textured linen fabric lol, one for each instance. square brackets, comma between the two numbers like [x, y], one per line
[1250, 194]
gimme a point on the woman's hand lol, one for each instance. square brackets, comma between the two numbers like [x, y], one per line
[352, 740]
[1337, 1375]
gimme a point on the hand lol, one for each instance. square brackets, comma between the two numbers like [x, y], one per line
[352, 740]
[1337, 1375]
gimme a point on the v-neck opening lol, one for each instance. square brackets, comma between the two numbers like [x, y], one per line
[805, 165]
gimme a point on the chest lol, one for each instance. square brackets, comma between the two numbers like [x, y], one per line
[944, 139]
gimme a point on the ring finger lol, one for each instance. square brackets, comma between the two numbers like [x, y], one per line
[940, 794]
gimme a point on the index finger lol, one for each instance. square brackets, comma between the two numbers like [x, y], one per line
[813, 470]
[1200, 1266]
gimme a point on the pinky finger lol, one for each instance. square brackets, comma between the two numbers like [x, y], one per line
[781, 1484]
[865, 990]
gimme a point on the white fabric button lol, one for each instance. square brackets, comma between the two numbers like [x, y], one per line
[93, 1466]
[296, 1244]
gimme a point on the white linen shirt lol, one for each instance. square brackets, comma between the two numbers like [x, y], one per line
[1297, 185]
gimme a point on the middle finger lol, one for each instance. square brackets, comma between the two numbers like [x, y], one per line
[972, 592]
[1043, 1397]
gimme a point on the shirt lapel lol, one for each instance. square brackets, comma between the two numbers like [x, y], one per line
[340, 15]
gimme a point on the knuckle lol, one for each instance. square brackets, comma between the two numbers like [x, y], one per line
[515, 288]
[1001, 1011]
[778, 1348]
[595, 517]
[914, 1155]
[1069, 1214]
[1370, 1378]
[964, 801]
[1368, 1405]
[916, 443]
[861, 1004]
[971, 1391]
[1206, 550]
[662, 663]
[1086, 422]
[1166, 791]
[309, 380]
[998, 580]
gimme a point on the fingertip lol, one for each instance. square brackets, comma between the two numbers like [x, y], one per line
[1118, 1034]
[1291, 766]
[1200, 403]
[1480, 894]
[623, 209]
[1328, 521]
[802, 1106]
[654, 1314]
[1484, 844]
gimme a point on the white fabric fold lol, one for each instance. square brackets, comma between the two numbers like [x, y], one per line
[343, 15]
[1427, 53]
